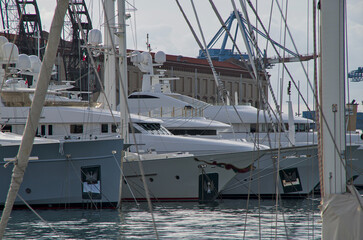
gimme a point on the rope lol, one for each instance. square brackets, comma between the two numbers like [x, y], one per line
[317, 108]
[122, 88]
[220, 87]
[124, 177]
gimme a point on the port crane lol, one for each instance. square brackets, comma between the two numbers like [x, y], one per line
[223, 53]
[22, 18]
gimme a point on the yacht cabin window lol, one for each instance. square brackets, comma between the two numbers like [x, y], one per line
[6, 128]
[154, 128]
[253, 127]
[10, 65]
[142, 96]
[104, 128]
[50, 129]
[76, 128]
[301, 127]
[114, 128]
[133, 130]
[193, 132]
[42, 130]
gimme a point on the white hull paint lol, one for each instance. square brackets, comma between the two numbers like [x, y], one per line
[179, 179]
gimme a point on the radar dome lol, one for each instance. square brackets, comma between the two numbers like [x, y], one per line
[160, 57]
[23, 62]
[94, 37]
[10, 52]
[35, 63]
[145, 57]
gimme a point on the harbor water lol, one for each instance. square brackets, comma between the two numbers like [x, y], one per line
[226, 219]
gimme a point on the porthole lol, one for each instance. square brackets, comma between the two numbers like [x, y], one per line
[177, 177]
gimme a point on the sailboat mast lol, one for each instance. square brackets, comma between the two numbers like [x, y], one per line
[123, 68]
[35, 111]
[342, 204]
[110, 57]
[332, 92]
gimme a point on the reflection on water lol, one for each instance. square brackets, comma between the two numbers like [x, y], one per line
[230, 219]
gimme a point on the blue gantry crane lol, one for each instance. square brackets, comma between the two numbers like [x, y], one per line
[222, 53]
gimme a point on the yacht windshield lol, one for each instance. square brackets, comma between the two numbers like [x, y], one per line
[154, 128]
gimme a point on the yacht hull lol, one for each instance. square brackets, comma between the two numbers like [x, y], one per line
[66, 174]
[58, 178]
[295, 176]
[191, 178]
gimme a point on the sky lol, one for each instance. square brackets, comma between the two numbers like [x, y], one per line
[168, 32]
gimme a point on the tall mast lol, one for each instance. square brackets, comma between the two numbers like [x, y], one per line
[123, 68]
[35, 110]
[342, 210]
[110, 56]
[332, 93]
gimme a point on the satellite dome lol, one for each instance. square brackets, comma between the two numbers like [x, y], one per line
[35, 63]
[23, 62]
[145, 57]
[10, 52]
[160, 57]
[94, 37]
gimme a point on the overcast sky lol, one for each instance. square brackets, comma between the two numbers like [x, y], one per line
[168, 32]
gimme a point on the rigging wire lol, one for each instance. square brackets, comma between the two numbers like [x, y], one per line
[259, 86]
[39, 97]
[280, 106]
[255, 42]
[311, 216]
[40, 217]
[133, 23]
[283, 55]
[191, 28]
[259, 58]
[221, 91]
[317, 105]
[248, 67]
[122, 90]
[293, 81]
[127, 108]
[348, 87]
[125, 179]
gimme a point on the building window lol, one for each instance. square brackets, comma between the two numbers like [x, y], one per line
[76, 128]
[50, 129]
[104, 128]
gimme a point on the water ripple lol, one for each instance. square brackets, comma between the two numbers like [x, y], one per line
[296, 219]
